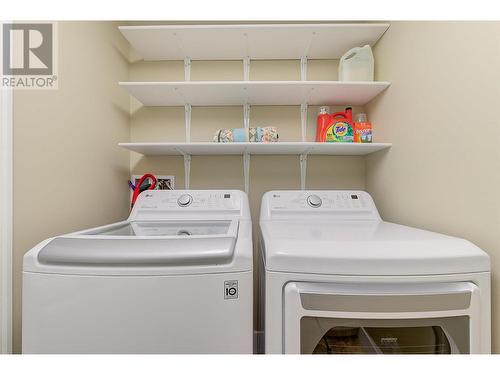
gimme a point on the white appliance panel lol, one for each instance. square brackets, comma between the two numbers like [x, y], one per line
[331, 268]
[176, 277]
[137, 315]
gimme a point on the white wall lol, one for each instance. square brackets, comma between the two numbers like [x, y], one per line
[440, 113]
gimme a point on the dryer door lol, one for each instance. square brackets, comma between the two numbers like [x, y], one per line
[322, 318]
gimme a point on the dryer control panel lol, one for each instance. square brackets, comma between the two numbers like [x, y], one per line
[337, 203]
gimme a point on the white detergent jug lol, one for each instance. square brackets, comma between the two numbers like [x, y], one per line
[357, 65]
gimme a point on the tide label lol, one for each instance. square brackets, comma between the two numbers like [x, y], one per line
[340, 131]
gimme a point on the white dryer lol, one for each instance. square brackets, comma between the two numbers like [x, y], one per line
[176, 277]
[338, 279]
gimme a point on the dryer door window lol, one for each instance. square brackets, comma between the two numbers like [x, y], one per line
[383, 318]
[372, 336]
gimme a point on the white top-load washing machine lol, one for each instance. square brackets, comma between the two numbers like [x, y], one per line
[176, 277]
[338, 279]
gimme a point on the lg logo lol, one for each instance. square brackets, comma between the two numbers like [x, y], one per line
[28, 49]
[231, 289]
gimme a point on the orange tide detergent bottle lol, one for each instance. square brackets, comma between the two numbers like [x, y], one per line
[336, 127]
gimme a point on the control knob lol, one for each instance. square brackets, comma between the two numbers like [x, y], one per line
[185, 200]
[314, 201]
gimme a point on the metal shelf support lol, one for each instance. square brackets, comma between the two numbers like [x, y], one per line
[246, 68]
[246, 120]
[187, 170]
[303, 120]
[303, 68]
[246, 171]
[303, 170]
[187, 69]
[187, 119]
[246, 155]
[303, 106]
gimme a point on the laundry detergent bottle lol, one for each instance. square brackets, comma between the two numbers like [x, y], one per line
[322, 123]
[336, 127]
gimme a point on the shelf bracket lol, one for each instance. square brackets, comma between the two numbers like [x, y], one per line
[246, 120]
[303, 170]
[303, 120]
[303, 68]
[187, 119]
[187, 170]
[246, 126]
[187, 69]
[246, 68]
[246, 170]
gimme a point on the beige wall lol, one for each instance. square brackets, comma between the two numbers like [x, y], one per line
[167, 123]
[266, 172]
[68, 171]
[440, 113]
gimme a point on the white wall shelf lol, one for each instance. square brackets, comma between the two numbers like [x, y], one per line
[278, 148]
[252, 42]
[232, 93]
[255, 41]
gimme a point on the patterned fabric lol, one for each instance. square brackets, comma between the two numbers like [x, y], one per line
[253, 134]
[223, 136]
[269, 134]
[259, 134]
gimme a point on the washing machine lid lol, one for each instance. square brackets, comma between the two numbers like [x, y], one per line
[369, 247]
[169, 243]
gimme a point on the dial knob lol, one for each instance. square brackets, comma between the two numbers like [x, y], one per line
[314, 201]
[184, 200]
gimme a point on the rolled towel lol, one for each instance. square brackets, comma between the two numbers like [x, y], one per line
[269, 134]
[258, 134]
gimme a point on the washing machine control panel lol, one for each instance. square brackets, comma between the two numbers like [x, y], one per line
[181, 200]
[321, 202]
[171, 201]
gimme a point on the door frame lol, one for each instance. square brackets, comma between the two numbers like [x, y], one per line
[6, 201]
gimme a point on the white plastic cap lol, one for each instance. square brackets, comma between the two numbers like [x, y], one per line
[323, 110]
